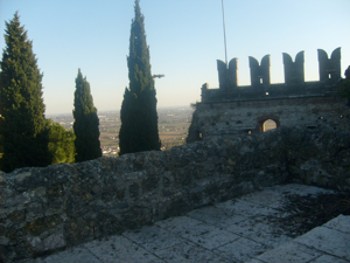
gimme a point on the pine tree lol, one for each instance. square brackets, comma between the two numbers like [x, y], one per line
[139, 119]
[21, 102]
[86, 122]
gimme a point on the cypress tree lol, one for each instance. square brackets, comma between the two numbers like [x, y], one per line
[139, 119]
[86, 122]
[21, 102]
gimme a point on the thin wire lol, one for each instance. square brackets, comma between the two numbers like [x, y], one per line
[224, 26]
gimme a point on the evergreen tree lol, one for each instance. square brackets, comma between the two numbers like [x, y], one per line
[86, 122]
[139, 119]
[21, 102]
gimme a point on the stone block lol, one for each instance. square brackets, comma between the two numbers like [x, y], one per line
[52, 242]
[78, 254]
[328, 259]
[119, 249]
[153, 238]
[189, 252]
[241, 250]
[341, 223]
[329, 241]
[291, 252]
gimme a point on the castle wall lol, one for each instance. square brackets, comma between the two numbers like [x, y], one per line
[232, 110]
[47, 209]
[247, 116]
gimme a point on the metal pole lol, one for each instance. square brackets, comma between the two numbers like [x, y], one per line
[224, 27]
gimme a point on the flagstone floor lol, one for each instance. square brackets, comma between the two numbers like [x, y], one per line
[246, 229]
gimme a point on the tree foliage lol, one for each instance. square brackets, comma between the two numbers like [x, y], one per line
[61, 143]
[139, 128]
[86, 122]
[21, 102]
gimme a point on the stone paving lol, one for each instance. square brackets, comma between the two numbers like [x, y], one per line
[240, 230]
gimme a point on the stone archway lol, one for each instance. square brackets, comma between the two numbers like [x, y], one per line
[268, 124]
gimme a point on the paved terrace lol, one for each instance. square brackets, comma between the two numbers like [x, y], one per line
[246, 229]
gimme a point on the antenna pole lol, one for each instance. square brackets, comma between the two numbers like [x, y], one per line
[224, 27]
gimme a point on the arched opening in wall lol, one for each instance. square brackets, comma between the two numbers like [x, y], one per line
[268, 125]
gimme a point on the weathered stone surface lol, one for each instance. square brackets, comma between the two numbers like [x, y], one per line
[232, 110]
[246, 116]
[208, 238]
[328, 259]
[120, 249]
[290, 252]
[328, 240]
[44, 209]
[320, 245]
[340, 224]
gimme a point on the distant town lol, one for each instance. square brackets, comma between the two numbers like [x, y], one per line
[173, 124]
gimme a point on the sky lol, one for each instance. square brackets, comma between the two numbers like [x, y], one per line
[185, 39]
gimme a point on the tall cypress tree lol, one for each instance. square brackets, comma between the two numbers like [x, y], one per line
[86, 122]
[21, 102]
[139, 119]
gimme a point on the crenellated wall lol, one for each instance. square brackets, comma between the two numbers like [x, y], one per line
[232, 109]
[48, 209]
[294, 75]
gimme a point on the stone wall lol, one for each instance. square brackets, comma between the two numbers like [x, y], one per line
[232, 109]
[47, 209]
[247, 116]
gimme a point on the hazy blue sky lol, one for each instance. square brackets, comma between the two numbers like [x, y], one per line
[185, 39]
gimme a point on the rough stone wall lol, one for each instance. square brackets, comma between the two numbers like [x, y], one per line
[232, 109]
[47, 209]
[238, 117]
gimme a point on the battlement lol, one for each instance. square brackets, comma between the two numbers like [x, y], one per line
[261, 87]
[231, 109]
